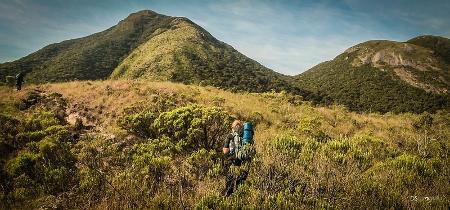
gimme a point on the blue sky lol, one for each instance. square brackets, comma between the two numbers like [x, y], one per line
[286, 36]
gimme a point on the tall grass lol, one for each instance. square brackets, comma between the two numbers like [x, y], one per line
[307, 157]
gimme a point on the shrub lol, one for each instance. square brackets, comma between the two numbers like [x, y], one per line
[288, 145]
[417, 166]
[152, 159]
[200, 162]
[212, 202]
[9, 128]
[61, 132]
[26, 137]
[363, 151]
[397, 179]
[10, 81]
[40, 120]
[24, 189]
[256, 118]
[310, 126]
[46, 166]
[424, 121]
[31, 99]
[55, 153]
[25, 163]
[218, 101]
[199, 127]
[138, 124]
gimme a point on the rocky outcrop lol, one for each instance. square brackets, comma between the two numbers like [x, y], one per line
[404, 59]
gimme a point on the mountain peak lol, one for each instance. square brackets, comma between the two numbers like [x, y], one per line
[149, 45]
[439, 45]
[143, 16]
[143, 13]
[383, 75]
[428, 37]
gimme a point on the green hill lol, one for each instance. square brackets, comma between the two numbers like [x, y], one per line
[153, 46]
[91, 57]
[439, 45]
[380, 76]
[189, 54]
[385, 76]
[127, 144]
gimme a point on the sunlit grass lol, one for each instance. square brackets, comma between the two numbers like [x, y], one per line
[307, 157]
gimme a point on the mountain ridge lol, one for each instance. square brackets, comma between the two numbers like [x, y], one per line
[114, 43]
[148, 45]
[383, 75]
[198, 59]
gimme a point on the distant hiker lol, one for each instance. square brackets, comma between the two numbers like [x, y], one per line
[19, 80]
[235, 149]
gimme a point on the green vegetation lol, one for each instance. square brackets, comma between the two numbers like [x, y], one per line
[440, 45]
[374, 86]
[375, 76]
[193, 56]
[138, 144]
[91, 57]
[36, 158]
[158, 145]
[153, 46]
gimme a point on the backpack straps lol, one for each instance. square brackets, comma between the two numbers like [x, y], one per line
[235, 143]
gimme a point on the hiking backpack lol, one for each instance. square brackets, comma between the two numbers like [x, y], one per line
[247, 137]
[244, 149]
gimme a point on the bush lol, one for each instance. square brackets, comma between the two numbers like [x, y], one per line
[363, 151]
[10, 81]
[423, 122]
[40, 120]
[138, 124]
[310, 126]
[25, 163]
[212, 202]
[197, 126]
[9, 128]
[152, 160]
[59, 131]
[44, 166]
[288, 145]
[200, 162]
[411, 164]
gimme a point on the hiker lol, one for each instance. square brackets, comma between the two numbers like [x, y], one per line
[19, 81]
[234, 152]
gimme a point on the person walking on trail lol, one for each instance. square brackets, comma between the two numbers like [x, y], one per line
[235, 154]
[19, 81]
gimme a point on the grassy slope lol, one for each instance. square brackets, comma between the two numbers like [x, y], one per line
[158, 47]
[187, 53]
[150, 45]
[91, 57]
[366, 88]
[307, 156]
[440, 45]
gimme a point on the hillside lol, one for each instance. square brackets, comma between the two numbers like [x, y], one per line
[189, 54]
[386, 76]
[91, 57]
[135, 144]
[439, 45]
[152, 46]
[374, 76]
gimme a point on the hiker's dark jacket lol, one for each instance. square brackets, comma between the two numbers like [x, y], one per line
[19, 80]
